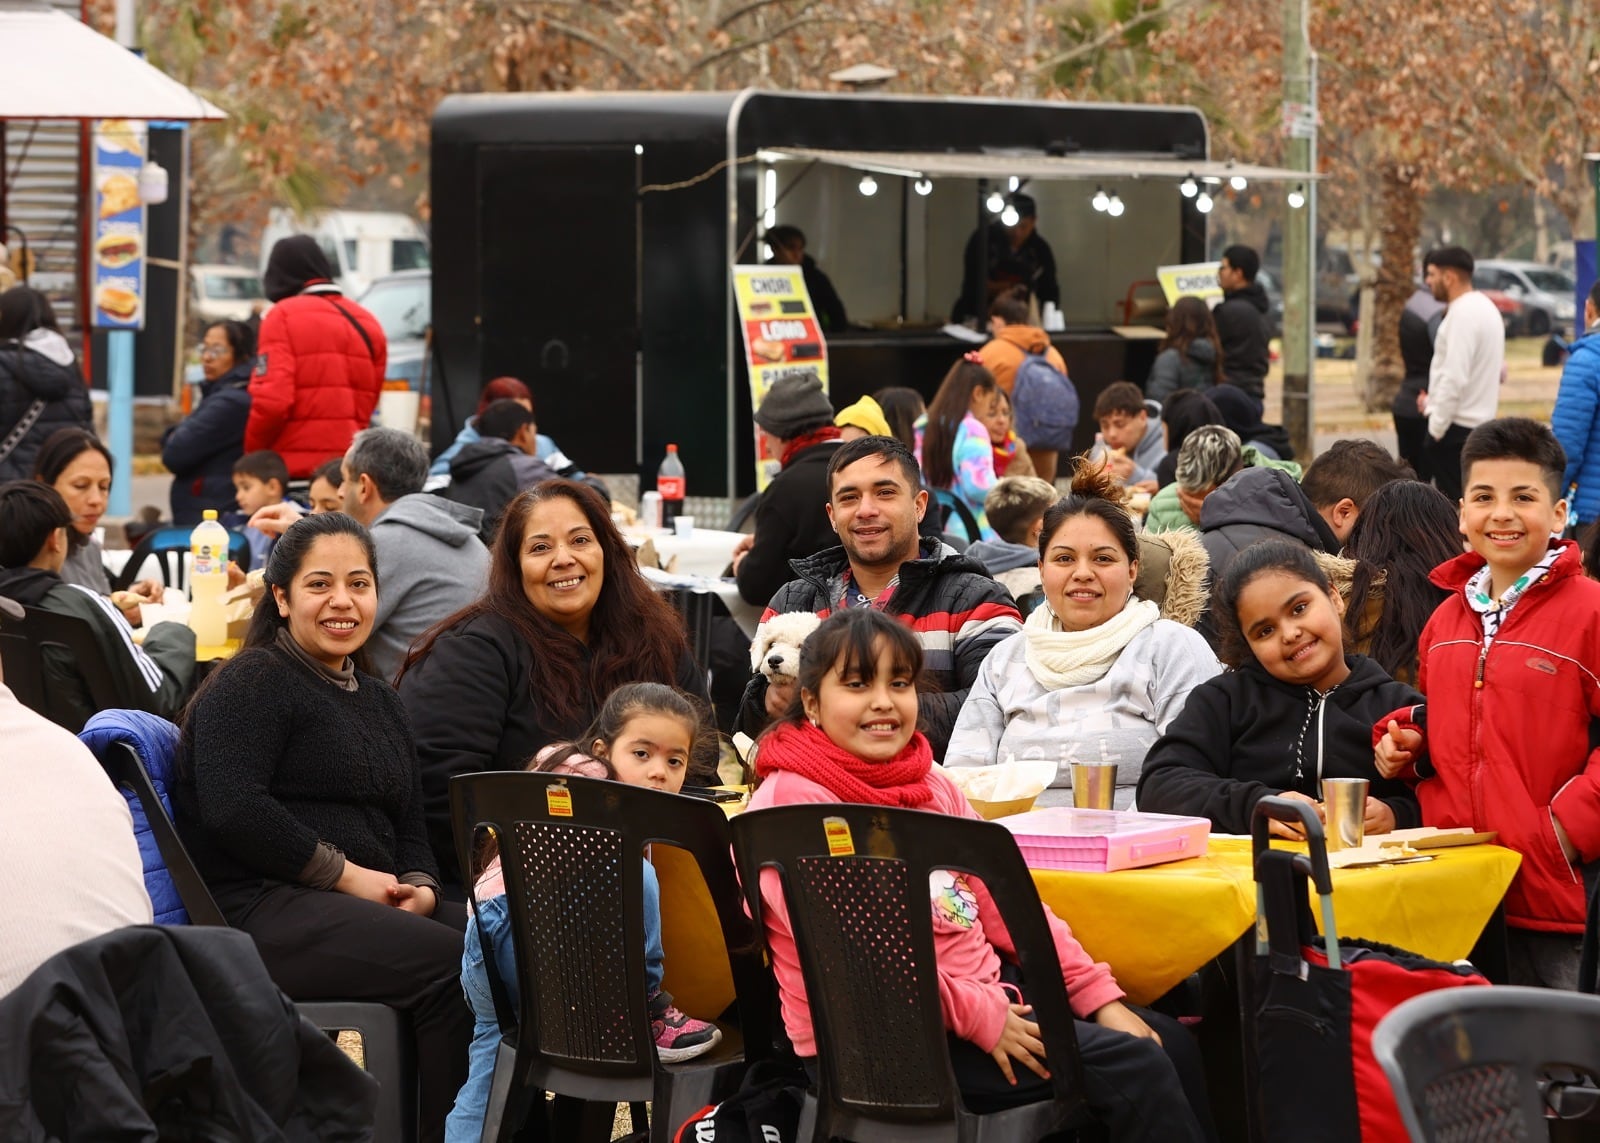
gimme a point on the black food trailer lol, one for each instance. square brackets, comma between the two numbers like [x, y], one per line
[584, 243]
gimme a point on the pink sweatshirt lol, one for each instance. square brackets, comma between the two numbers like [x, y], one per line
[969, 937]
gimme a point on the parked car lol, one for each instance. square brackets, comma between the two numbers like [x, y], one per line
[1548, 296]
[219, 292]
[403, 305]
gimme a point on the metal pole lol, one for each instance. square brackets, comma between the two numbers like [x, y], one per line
[119, 357]
[1299, 262]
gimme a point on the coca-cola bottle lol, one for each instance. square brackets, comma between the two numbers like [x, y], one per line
[672, 484]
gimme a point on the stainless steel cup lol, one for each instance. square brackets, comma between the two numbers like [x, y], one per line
[1344, 801]
[1094, 785]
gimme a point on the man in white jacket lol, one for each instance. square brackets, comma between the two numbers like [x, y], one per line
[1469, 357]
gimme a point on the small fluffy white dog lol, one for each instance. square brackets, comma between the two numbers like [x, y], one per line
[776, 650]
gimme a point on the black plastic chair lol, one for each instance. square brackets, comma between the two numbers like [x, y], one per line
[855, 882]
[1477, 1063]
[386, 1040]
[572, 853]
[168, 546]
[22, 656]
[952, 510]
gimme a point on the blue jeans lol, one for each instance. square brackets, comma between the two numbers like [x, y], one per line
[465, 1124]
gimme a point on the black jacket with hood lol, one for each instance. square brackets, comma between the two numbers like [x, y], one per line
[1246, 331]
[488, 474]
[1244, 735]
[1260, 504]
[39, 368]
[171, 1032]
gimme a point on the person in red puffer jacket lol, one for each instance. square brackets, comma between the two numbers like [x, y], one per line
[320, 362]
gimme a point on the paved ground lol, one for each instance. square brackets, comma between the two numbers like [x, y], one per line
[1530, 390]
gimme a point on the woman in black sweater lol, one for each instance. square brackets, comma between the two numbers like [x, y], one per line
[300, 799]
[567, 620]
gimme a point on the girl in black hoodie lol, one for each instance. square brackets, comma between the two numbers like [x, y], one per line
[1295, 708]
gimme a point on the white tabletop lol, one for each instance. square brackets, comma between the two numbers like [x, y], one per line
[705, 553]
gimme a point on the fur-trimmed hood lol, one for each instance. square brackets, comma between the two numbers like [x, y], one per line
[1173, 573]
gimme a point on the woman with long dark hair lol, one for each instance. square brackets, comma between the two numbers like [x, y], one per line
[299, 796]
[566, 620]
[1187, 357]
[200, 449]
[1405, 530]
[41, 389]
[953, 445]
[901, 408]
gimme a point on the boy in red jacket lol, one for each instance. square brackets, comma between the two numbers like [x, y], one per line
[1508, 665]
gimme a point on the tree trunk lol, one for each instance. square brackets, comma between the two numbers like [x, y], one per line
[1399, 227]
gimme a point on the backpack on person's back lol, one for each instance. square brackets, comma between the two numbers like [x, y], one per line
[1045, 404]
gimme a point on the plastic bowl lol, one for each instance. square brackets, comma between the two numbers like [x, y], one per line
[991, 810]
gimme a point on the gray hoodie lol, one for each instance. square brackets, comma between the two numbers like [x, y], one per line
[1195, 369]
[1148, 452]
[431, 564]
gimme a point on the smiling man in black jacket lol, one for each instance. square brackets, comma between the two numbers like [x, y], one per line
[1242, 322]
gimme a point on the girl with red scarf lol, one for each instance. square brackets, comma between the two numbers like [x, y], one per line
[852, 737]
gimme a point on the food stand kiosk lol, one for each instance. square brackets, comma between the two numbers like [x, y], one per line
[586, 243]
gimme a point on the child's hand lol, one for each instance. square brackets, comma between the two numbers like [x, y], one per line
[1119, 1017]
[1396, 749]
[780, 696]
[236, 575]
[1377, 817]
[1292, 830]
[1019, 1040]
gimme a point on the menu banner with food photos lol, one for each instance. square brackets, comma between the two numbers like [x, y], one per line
[781, 336]
[117, 247]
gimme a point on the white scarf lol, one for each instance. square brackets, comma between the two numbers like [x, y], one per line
[1060, 658]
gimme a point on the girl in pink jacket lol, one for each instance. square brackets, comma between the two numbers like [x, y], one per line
[852, 737]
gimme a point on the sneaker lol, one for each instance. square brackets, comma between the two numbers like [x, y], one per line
[679, 1037]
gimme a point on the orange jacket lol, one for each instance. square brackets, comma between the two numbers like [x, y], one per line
[1005, 351]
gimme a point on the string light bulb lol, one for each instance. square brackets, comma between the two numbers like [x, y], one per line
[1009, 215]
[1238, 182]
[868, 186]
[1203, 203]
[995, 202]
[1188, 188]
[923, 187]
[1297, 197]
[1115, 208]
[1100, 200]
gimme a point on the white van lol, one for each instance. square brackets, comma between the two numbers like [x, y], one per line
[362, 245]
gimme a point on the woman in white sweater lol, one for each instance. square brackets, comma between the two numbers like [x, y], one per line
[1096, 674]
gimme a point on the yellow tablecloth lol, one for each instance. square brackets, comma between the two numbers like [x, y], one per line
[1155, 926]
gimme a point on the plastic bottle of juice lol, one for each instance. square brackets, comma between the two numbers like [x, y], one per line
[208, 580]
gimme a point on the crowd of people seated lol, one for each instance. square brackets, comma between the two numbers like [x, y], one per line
[1255, 630]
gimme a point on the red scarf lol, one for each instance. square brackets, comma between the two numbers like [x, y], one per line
[800, 748]
[1004, 453]
[806, 440]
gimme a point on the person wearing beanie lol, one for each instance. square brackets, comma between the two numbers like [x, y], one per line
[1015, 507]
[791, 517]
[320, 362]
[863, 419]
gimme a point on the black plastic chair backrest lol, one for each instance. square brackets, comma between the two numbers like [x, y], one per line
[22, 654]
[572, 852]
[127, 772]
[167, 545]
[855, 881]
[1467, 1063]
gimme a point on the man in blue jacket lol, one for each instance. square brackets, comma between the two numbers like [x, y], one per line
[1574, 418]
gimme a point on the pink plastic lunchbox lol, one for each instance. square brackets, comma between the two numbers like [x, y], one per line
[1099, 841]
